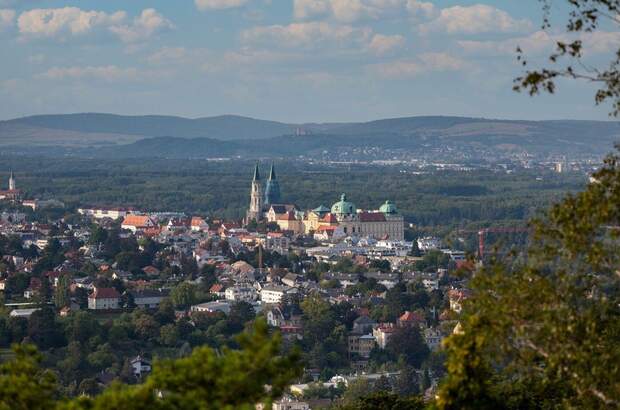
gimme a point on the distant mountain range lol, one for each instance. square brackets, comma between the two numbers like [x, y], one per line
[116, 135]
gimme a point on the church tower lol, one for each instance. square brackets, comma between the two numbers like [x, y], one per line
[256, 198]
[272, 190]
[12, 182]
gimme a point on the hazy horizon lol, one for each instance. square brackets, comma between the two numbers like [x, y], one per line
[290, 61]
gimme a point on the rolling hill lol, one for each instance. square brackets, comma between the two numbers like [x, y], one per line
[229, 135]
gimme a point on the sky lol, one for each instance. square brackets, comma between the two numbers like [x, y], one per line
[285, 60]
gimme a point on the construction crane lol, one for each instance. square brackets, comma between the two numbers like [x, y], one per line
[482, 234]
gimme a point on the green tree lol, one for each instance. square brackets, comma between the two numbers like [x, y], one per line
[98, 235]
[406, 383]
[168, 335]
[183, 295]
[61, 293]
[23, 385]
[584, 17]
[543, 330]
[230, 379]
[384, 401]
[408, 342]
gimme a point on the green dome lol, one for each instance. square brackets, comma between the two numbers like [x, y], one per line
[321, 210]
[388, 208]
[343, 207]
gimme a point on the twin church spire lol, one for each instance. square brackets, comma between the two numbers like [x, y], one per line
[259, 200]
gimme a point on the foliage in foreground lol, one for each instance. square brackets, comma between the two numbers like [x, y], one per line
[384, 401]
[544, 332]
[230, 379]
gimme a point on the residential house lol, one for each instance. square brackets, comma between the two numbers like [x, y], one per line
[136, 223]
[151, 270]
[389, 280]
[212, 307]
[104, 212]
[104, 299]
[291, 279]
[198, 224]
[383, 333]
[457, 297]
[22, 312]
[140, 366]
[363, 325]
[410, 319]
[148, 298]
[361, 345]
[433, 338]
[217, 289]
[241, 294]
[273, 294]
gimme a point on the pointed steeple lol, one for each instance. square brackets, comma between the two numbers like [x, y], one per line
[256, 173]
[11, 181]
[272, 190]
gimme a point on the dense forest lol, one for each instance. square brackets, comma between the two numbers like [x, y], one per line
[221, 188]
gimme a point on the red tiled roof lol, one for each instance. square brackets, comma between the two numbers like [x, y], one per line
[138, 221]
[105, 293]
[387, 329]
[372, 217]
[197, 221]
[329, 218]
[216, 288]
[289, 216]
[411, 317]
[150, 270]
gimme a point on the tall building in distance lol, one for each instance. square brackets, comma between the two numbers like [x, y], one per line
[12, 182]
[272, 189]
[255, 212]
[11, 194]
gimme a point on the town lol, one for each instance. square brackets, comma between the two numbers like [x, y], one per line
[364, 305]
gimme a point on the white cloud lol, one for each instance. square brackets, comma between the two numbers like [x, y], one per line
[479, 18]
[218, 4]
[107, 73]
[63, 21]
[425, 63]
[347, 11]
[304, 9]
[382, 44]
[149, 22]
[307, 35]
[421, 8]
[7, 17]
[72, 21]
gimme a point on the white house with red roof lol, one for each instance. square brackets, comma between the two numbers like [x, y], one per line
[136, 223]
[104, 299]
[198, 224]
[383, 333]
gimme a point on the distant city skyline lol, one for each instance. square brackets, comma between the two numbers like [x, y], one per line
[286, 60]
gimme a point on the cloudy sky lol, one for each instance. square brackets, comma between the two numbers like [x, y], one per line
[288, 60]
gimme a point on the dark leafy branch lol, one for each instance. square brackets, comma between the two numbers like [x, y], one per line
[585, 16]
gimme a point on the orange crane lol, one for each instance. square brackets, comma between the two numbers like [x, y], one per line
[482, 234]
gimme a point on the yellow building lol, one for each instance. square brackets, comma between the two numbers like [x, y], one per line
[385, 222]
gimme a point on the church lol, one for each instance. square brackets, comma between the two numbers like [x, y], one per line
[261, 203]
[11, 194]
[341, 220]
